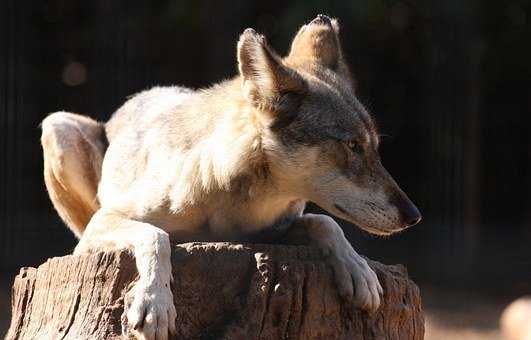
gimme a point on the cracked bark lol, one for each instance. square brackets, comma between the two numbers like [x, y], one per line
[221, 291]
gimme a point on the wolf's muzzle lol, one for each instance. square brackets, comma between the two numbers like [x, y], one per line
[409, 213]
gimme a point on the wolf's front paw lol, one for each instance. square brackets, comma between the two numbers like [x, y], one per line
[151, 313]
[350, 267]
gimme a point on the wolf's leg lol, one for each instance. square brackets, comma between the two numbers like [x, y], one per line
[73, 148]
[151, 313]
[348, 265]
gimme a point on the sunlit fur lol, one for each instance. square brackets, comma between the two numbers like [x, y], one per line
[228, 162]
[202, 150]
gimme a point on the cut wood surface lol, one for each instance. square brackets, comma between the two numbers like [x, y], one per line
[221, 291]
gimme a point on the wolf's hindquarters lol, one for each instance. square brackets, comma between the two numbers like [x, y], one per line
[73, 147]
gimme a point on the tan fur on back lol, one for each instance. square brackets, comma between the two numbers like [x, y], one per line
[233, 162]
[235, 158]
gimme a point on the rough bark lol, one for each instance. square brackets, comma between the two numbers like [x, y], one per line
[221, 291]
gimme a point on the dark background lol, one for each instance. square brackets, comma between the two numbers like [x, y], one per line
[448, 83]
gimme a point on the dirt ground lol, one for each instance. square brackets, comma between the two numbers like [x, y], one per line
[437, 331]
[459, 315]
[449, 314]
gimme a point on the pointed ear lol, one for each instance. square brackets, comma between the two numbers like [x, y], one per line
[267, 82]
[318, 42]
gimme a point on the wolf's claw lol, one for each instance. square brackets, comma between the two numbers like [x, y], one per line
[151, 314]
[355, 280]
[349, 268]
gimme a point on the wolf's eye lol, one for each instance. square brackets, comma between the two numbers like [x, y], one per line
[354, 146]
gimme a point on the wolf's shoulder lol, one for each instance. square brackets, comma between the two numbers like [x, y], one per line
[145, 106]
[158, 92]
[155, 99]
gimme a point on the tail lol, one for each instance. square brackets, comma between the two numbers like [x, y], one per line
[73, 147]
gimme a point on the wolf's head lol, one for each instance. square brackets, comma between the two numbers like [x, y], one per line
[321, 142]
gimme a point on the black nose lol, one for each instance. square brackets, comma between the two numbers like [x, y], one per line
[413, 220]
[409, 213]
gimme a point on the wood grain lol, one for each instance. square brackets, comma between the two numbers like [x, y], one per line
[221, 291]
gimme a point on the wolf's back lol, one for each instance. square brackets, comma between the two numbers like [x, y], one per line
[73, 149]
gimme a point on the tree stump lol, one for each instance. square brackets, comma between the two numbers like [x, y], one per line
[221, 291]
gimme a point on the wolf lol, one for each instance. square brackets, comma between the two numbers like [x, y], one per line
[233, 162]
